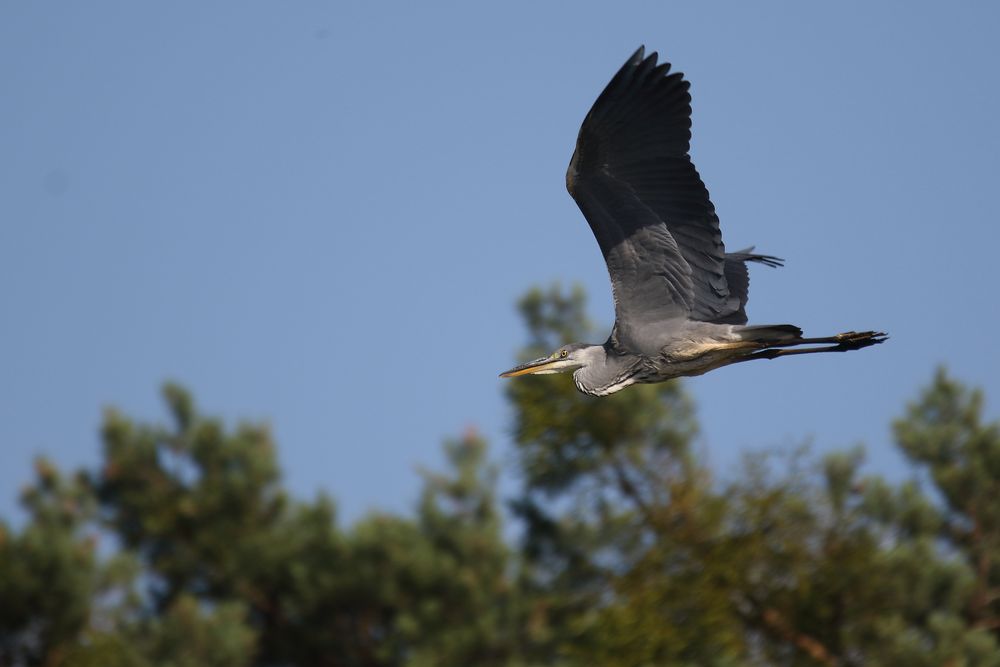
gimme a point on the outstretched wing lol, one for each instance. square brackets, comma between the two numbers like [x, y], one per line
[632, 177]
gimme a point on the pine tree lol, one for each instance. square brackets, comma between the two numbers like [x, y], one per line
[621, 519]
[182, 548]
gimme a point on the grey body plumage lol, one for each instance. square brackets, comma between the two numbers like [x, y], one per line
[680, 298]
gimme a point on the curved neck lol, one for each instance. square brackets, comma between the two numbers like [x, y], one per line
[603, 373]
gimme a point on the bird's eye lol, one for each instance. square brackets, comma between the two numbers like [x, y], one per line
[563, 353]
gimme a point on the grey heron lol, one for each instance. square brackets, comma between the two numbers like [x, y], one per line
[679, 297]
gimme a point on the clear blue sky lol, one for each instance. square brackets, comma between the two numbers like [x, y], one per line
[320, 214]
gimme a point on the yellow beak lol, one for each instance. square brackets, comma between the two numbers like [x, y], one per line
[543, 365]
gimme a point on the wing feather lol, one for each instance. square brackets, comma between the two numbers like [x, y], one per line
[634, 181]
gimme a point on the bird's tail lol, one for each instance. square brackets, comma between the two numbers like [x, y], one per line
[769, 334]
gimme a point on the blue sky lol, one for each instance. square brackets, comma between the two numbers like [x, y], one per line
[321, 214]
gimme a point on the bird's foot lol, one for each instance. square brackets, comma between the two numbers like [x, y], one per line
[852, 340]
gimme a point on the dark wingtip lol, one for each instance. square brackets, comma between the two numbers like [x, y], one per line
[640, 58]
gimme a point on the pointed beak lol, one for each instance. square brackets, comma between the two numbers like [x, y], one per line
[545, 364]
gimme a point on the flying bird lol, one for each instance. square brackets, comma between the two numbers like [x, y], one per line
[680, 298]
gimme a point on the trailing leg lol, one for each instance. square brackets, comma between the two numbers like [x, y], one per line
[848, 338]
[844, 342]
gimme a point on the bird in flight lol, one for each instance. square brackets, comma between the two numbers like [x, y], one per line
[680, 298]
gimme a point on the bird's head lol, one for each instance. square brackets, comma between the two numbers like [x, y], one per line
[566, 358]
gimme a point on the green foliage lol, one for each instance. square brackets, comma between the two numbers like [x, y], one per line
[48, 572]
[650, 561]
[468, 615]
[203, 510]
[182, 548]
[191, 500]
[612, 498]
